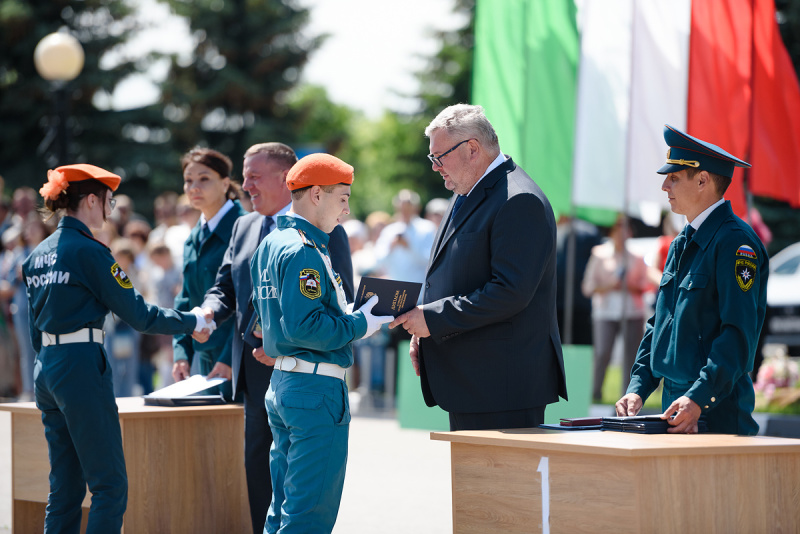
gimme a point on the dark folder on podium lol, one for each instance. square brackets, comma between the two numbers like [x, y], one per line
[643, 424]
[395, 297]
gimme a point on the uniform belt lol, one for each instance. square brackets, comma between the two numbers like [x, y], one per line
[84, 335]
[296, 365]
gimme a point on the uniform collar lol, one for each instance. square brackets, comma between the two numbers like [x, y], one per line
[293, 220]
[214, 221]
[71, 222]
[711, 224]
[75, 224]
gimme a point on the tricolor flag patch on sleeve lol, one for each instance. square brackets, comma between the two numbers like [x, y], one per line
[746, 251]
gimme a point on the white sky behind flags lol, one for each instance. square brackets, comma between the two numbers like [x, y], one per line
[367, 63]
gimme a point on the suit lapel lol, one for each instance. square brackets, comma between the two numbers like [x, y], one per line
[253, 233]
[472, 202]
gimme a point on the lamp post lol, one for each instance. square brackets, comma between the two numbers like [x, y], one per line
[59, 59]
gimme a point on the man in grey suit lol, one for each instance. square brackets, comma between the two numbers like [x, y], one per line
[265, 169]
[485, 340]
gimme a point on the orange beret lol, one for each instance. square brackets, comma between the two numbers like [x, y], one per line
[58, 179]
[319, 169]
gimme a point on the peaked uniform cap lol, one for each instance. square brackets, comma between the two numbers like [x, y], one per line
[687, 152]
[319, 169]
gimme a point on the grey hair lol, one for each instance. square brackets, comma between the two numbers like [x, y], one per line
[465, 121]
[275, 151]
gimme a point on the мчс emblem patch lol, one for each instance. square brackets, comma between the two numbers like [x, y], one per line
[309, 283]
[120, 276]
[745, 273]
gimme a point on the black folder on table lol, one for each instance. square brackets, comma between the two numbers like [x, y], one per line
[643, 424]
[640, 424]
[395, 297]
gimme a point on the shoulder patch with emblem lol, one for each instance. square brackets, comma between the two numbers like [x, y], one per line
[745, 267]
[309, 283]
[120, 276]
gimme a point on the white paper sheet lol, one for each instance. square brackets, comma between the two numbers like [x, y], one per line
[187, 387]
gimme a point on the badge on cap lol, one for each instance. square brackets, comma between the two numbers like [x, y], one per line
[686, 151]
[309, 284]
[120, 276]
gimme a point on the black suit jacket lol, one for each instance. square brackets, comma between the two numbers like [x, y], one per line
[232, 292]
[490, 301]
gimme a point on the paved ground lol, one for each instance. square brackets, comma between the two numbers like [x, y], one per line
[398, 480]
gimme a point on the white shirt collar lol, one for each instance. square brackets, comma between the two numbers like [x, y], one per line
[492, 166]
[283, 211]
[704, 215]
[214, 221]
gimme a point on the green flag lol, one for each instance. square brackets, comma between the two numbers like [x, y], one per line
[525, 77]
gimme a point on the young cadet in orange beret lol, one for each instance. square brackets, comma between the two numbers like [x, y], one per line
[72, 283]
[305, 324]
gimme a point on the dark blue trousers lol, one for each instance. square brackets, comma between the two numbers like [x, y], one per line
[75, 393]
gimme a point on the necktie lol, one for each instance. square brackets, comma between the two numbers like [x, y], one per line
[459, 201]
[204, 233]
[681, 241]
[266, 226]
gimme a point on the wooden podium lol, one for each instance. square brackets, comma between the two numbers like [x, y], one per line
[533, 480]
[185, 468]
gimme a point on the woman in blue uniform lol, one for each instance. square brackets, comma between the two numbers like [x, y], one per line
[72, 282]
[207, 184]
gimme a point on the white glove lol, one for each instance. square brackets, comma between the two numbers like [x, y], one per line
[201, 321]
[374, 322]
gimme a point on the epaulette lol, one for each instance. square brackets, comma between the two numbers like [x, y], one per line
[307, 241]
[93, 238]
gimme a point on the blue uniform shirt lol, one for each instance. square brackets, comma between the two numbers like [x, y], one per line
[708, 316]
[73, 281]
[295, 297]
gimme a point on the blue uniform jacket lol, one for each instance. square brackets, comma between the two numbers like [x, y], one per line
[200, 265]
[295, 297]
[73, 281]
[708, 315]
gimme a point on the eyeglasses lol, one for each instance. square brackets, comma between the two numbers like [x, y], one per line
[437, 160]
[112, 202]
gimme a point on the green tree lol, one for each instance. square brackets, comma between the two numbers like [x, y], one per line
[390, 152]
[27, 147]
[234, 92]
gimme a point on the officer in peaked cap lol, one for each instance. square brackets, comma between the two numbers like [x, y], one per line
[711, 302]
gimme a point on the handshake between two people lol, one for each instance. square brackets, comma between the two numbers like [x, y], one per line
[205, 324]
[202, 331]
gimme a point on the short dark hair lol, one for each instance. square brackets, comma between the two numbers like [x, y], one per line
[297, 194]
[721, 183]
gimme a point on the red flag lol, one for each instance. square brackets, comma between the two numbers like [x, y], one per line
[719, 82]
[775, 139]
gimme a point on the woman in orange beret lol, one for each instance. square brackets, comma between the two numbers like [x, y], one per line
[72, 282]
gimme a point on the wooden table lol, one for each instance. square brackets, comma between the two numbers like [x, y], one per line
[185, 468]
[533, 480]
